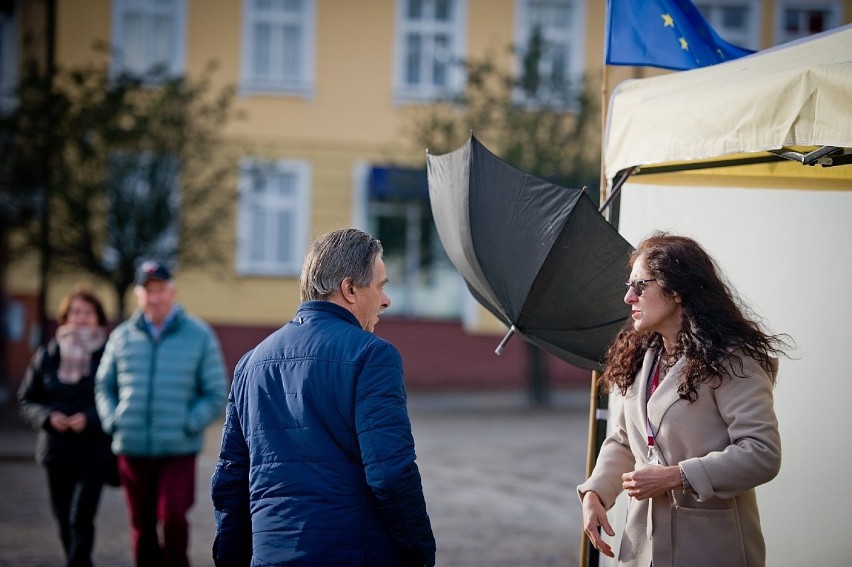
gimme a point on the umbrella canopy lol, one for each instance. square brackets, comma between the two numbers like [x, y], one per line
[540, 257]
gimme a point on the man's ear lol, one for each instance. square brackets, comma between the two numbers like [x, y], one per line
[347, 290]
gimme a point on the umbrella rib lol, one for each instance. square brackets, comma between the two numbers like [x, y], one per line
[591, 328]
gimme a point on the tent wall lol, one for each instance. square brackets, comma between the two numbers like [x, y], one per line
[789, 255]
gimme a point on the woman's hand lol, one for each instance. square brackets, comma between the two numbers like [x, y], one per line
[594, 518]
[59, 421]
[77, 422]
[651, 480]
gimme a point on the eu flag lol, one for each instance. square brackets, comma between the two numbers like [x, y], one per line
[671, 34]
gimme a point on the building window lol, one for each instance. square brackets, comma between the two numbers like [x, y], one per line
[422, 281]
[273, 217]
[143, 199]
[430, 48]
[149, 36]
[8, 56]
[804, 18]
[278, 46]
[735, 22]
[560, 26]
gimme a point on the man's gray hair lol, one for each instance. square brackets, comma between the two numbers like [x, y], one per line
[335, 256]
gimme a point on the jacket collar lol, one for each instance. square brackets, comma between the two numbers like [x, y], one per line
[666, 393]
[174, 320]
[309, 308]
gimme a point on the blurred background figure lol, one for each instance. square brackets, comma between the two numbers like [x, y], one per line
[57, 398]
[161, 382]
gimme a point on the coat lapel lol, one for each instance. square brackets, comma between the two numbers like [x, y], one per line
[642, 388]
[665, 396]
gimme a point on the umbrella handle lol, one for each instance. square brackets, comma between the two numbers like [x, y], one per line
[502, 345]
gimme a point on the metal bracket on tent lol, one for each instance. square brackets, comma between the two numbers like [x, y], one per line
[844, 158]
[616, 187]
[826, 156]
[837, 159]
[814, 157]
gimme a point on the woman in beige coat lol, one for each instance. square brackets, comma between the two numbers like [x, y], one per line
[696, 432]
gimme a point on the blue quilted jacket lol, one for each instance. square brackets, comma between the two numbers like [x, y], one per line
[317, 465]
[155, 397]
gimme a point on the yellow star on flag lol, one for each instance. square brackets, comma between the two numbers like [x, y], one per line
[668, 22]
[683, 44]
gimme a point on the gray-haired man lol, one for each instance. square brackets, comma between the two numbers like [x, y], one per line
[161, 381]
[317, 416]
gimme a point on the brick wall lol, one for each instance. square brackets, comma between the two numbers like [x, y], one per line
[437, 355]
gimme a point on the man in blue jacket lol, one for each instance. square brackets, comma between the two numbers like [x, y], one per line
[161, 381]
[317, 465]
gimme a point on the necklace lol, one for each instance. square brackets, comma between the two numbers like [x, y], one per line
[666, 362]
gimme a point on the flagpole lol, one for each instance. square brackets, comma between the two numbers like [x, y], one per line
[589, 556]
[604, 111]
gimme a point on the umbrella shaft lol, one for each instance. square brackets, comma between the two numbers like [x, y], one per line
[502, 345]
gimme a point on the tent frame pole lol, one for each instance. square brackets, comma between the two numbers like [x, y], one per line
[616, 188]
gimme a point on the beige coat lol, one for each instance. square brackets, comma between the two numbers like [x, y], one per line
[727, 443]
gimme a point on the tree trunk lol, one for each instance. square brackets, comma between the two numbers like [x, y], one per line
[4, 338]
[537, 376]
[121, 304]
[45, 248]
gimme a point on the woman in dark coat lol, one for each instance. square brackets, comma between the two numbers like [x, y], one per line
[57, 399]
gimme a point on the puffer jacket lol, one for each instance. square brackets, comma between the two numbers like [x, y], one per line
[155, 397]
[317, 465]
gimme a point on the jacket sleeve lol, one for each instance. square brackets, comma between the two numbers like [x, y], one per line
[753, 456]
[232, 545]
[387, 450]
[33, 406]
[615, 459]
[93, 420]
[211, 383]
[106, 383]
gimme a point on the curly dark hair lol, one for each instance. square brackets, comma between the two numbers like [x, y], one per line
[716, 328]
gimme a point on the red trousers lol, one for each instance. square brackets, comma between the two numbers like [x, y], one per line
[159, 492]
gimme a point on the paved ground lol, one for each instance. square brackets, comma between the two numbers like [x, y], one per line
[499, 479]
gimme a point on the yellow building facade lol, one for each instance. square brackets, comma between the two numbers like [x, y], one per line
[325, 87]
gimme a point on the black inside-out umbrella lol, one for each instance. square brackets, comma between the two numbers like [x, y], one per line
[540, 257]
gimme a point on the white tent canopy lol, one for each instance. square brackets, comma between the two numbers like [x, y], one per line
[781, 233]
[797, 94]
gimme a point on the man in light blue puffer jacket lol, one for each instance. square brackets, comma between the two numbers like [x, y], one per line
[317, 466]
[161, 381]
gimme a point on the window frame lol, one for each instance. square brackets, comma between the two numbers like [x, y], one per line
[751, 35]
[412, 288]
[175, 63]
[427, 92]
[304, 86]
[576, 47]
[244, 264]
[833, 8]
[10, 63]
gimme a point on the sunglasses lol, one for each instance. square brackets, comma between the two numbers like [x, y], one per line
[638, 285]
